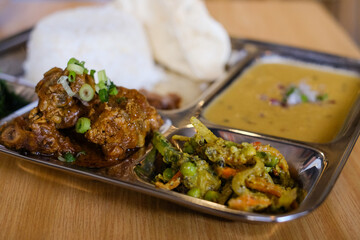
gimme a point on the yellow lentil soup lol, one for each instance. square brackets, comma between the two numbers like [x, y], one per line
[248, 103]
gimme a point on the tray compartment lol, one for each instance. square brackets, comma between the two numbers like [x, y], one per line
[306, 164]
[286, 56]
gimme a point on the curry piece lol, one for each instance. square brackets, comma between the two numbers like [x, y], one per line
[55, 104]
[123, 123]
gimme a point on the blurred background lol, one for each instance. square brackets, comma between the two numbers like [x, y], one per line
[346, 12]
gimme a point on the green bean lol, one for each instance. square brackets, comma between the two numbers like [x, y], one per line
[165, 148]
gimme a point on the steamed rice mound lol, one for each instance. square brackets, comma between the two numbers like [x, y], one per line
[103, 37]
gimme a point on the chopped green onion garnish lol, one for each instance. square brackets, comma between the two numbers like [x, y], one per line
[92, 72]
[63, 81]
[86, 92]
[82, 125]
[112, 89]
[73, 61]
[80, 153]
[304, 98]
[81, 65]
[72, 76]
[290, 91]
[322, 97]
[97, 88]
[69, 157]
[76, 68]
[102, 78]
[102, 85]
[103, 95]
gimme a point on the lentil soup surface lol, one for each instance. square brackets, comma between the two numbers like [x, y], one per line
[246, 104]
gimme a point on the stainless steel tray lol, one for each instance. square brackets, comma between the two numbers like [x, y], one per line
[316, 166]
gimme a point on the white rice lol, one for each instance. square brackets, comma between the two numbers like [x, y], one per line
[103, 37]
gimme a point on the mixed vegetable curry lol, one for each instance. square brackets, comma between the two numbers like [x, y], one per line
[244, 176]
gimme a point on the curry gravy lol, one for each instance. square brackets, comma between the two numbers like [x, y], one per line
[242, 104]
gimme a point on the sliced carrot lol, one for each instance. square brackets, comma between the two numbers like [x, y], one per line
[256, 144]
[173, 183]
[227, 172]
[249, 202]
[264, 186]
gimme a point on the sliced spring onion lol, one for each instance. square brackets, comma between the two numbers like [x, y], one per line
[112, 89]
[86, 92]
[102, 79]
[82, 125]
[80, 153]
[76, 68]
[304, 98]
[72, 76]
[92, 72]
[103, 95]
[63, 81]
[97, 88]
[73, 61]
[322, 97]
[69, 157]
[102, 85]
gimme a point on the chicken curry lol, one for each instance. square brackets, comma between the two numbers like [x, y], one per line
[78, 121]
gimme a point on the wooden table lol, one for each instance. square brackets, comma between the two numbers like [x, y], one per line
[41, 203]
